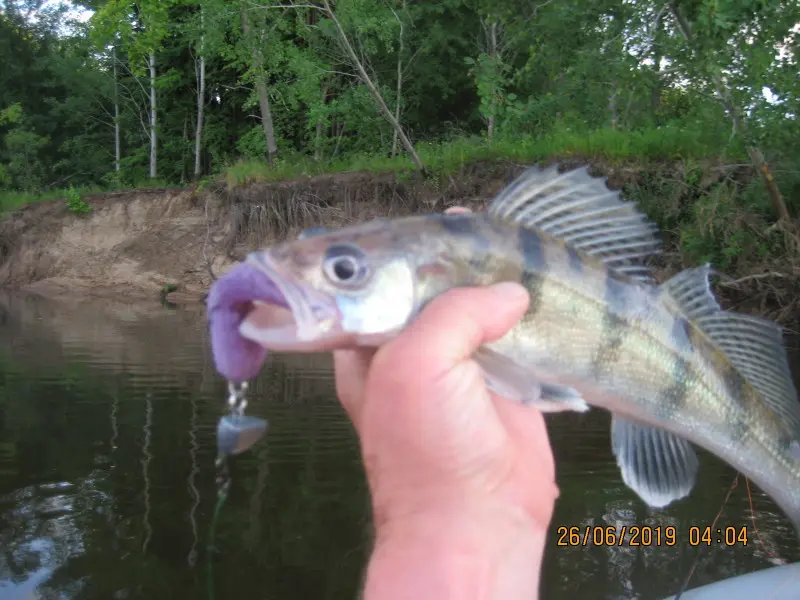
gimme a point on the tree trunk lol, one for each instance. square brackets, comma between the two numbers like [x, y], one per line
[318, 133]
[612, 106]
[399, 81]
[185, 147]
[493, 54]
[399, 96]
[153, 131]
[263, 94]
[655, 93]
[757, 158]
[655, 48]
[266, 117]
[739, 125]
[362, 73]
[201, 102]
[117, 146]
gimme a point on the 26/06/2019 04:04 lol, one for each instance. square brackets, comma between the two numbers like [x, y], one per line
[648, 536]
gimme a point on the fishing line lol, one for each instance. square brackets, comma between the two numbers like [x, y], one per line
[753, 518]
[224, 484]
[236, 433]
[210, 547]
[713, 524]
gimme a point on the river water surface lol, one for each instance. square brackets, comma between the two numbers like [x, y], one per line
[108, 415]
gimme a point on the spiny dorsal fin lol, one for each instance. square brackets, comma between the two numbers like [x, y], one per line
[754, 345]
[582, 211]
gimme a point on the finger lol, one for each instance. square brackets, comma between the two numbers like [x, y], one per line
[351, 368]
[455, 210]
[456, 323]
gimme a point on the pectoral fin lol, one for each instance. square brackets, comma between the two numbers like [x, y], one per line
[659, 466]
[506, 378]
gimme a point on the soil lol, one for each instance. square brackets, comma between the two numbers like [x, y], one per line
[168, 242]
[140, 243]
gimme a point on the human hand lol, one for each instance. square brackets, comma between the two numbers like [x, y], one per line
[441, 452]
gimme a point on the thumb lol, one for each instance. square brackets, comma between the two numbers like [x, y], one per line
[454, 325]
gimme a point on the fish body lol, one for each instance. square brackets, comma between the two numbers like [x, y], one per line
[665, 360]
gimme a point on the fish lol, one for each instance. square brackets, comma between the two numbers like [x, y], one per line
[672, 367]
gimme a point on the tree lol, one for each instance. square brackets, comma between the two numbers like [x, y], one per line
[140, 26]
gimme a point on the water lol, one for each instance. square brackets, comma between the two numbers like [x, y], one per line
[107, 422]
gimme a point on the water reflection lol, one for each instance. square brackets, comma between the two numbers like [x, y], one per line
[107, 422]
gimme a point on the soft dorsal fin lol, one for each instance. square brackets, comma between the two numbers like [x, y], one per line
[691, 291]
[754, 345]
[582, 211]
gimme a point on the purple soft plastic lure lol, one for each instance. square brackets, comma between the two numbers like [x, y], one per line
[237, 358]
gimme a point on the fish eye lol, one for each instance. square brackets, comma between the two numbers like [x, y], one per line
[345, 264]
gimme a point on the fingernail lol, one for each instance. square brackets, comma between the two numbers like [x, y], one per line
[510, 291]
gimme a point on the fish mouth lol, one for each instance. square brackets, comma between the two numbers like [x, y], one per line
[293, 317]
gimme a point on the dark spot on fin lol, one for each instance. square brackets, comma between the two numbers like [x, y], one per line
[659, 466]
[580, 210]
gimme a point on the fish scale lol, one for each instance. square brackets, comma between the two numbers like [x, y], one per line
[671, 366]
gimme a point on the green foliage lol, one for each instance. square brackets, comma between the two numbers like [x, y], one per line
[75, 203]
[614, 80]
[442, 158]
[22, 146]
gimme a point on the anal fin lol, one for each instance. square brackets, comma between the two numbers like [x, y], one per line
[506, 378]
[659, 466]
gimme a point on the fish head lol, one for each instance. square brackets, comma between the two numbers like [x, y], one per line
[356, 286]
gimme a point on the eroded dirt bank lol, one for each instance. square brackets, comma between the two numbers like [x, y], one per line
[136, 243]
[142, 242]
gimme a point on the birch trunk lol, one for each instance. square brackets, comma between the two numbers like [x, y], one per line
[153, 123]
[201, 101]
[399, 81]
[493, 54]
[117, 145]
[612, 106]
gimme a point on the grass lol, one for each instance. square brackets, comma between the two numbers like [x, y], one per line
[446, 157]
[450, 156]
[11, 200]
